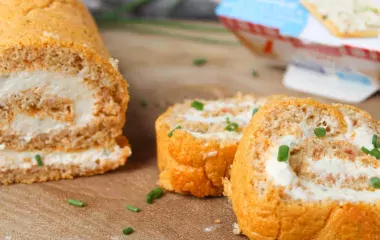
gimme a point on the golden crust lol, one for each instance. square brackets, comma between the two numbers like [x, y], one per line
[264, 212]
[333, 29]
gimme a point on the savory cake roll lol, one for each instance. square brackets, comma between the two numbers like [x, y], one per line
[197, 140]
[307, 170]
[62, 98]
[347, 18]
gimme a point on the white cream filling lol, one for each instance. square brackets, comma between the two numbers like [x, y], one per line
[350, 15]
[282, 174]
[87, 159]
[71, 87]
[241, 119]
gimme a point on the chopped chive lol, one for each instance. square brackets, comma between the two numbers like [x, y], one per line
[375, 153]
[39, 161]
[75, 202]
[197, 105]
[365, 150]
[127, 230]
[133, 208]
[375, 182]
[170, 134]
[156, 193]
[143, 103]
[255, 73]
[374, 140]
[199, 61]
[254, 111]
[231, 126]
[283, 153]
[320, 132]
[228, 120]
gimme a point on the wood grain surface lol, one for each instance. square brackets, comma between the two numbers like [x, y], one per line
[160, 71]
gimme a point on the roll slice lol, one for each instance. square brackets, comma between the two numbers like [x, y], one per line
[62, 98]
[307, 170]
[197, 140]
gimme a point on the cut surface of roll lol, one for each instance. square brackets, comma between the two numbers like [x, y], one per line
[197, 141]
[62, 98]
[307, 170]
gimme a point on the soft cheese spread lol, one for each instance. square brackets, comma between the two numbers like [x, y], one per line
[52, 83]
[213, 119]
[350, 15]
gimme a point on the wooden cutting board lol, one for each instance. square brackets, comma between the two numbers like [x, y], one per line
[160, 72]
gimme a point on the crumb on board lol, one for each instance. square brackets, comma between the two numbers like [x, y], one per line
[217, 221]
[236, 229]
[209, 228]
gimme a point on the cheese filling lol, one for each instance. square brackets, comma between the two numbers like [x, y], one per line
[214, 116]
[52, 83]
[282, 174]
[350, 15]
[87, 159]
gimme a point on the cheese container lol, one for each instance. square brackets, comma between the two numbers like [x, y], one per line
[331, 47]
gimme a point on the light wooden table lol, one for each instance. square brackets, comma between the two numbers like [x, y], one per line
[159, 70]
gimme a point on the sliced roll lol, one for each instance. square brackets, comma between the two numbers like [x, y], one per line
[307, 170]
[62, 98]
[197, 140]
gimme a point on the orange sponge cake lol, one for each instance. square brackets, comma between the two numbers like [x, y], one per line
[197, 141]
[62, 98]
[307, 170]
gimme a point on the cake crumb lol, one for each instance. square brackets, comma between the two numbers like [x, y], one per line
[50, 35]
[114, 62]
[236, 229]
[209, 229]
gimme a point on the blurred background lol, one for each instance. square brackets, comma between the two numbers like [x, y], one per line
[178, 9]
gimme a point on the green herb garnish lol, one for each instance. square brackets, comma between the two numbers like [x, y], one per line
[199, 61]
[143, 103]
[254, 111]
[375, 182]
[197, 105]
[320, 132]
[133, 208]
[39, 161]
[75, 202]
[170, 134]
[127, 230]
[156, 193]
[283, 153]
[375, 153]
[374, 140]
[365, 150]
[255, 73]
[231, 126]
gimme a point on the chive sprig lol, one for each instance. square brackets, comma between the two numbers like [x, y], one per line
[283, 153]
[76, 203]
[170, 134]
[197, 105]
[231, 126]
[39, 160]
[133, 208]
[156, 193]
[127, 230]
[320, 132]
